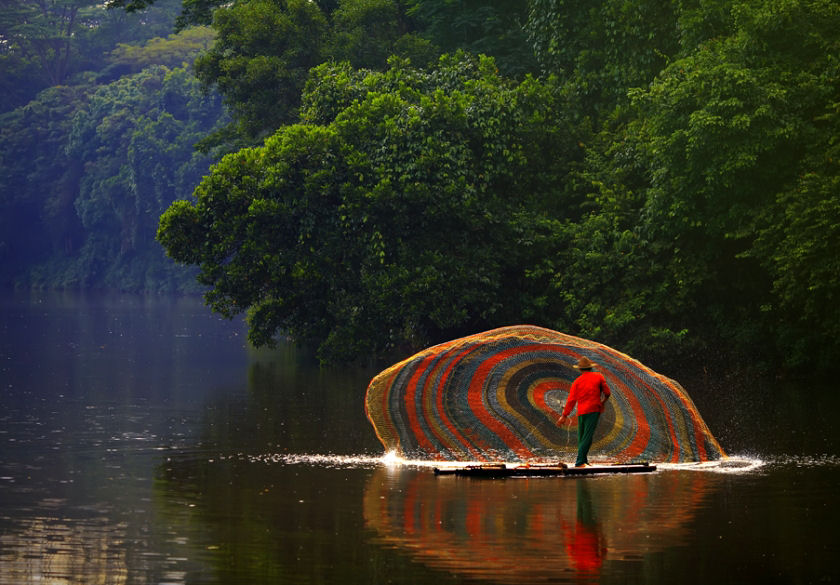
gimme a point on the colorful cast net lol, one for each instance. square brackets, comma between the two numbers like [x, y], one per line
[497, 396]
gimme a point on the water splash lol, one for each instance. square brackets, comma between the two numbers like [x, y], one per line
[314, 460]
[824, 460]
[736, 464]
[732, 465]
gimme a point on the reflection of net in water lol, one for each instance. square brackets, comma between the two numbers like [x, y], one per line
[498, 395]
[533, 530]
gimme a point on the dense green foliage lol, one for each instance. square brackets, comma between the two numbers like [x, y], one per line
[265, 48]
[402, 211]
[659, 175]
[261, 58]
[135, 138]
[45, 44]
[708, 192]
[669, 187]
[487, 27]
[86, 170]
[603, 47]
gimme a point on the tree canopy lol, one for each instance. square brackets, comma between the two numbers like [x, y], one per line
[265, 48]
[710, 177]
[357, 229]
[657, 175]
[45, 44]
[86, 170]
[668, 186]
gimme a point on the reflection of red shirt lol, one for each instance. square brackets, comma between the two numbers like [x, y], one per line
[585, 548]
[586, 392]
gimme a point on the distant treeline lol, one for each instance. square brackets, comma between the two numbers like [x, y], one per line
[658, 175]
[96, 139]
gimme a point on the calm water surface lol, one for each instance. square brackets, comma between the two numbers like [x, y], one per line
[143, 442]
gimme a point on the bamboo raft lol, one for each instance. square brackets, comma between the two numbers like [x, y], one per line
[501, 470]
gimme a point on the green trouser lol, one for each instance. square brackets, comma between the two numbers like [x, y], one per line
[586, 431]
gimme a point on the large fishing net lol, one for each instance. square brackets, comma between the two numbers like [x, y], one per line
[498, 396]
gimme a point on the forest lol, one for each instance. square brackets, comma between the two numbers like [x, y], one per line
[369, 177]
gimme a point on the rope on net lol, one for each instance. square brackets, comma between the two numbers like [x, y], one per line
[497, 395]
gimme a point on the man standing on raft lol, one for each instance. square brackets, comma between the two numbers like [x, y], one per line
[590, 392]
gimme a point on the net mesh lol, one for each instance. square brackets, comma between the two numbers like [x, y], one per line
[497, 395]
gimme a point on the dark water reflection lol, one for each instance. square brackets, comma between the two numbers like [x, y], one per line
[143, 442]
[546, 530]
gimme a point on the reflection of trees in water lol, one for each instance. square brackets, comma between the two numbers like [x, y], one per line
[294, 404]
[259, 521]
[58, 551]
[532, 530]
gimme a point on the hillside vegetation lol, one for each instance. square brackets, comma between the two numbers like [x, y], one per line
[660, 176]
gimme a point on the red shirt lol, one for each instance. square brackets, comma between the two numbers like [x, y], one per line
[586, 392]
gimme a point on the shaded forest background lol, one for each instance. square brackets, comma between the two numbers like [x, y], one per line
[373, 176]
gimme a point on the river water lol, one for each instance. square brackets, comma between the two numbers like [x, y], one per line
[143, 442]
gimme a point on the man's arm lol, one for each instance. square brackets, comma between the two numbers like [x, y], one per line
[570, 404]
[605, 390]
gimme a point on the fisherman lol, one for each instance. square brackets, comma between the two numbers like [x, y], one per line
[589, 391]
